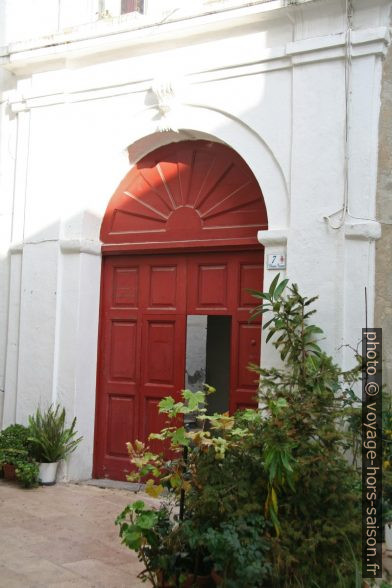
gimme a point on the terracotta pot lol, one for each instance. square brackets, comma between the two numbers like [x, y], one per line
[9, 471]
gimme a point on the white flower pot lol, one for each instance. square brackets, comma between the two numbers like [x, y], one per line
[48, 473]
[388, 536]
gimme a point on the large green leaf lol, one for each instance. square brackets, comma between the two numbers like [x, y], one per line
[273, 285]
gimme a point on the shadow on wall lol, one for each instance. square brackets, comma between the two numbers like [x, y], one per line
[383, 315]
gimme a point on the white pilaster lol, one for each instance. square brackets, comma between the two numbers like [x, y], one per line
[16, 260]
[275, 242]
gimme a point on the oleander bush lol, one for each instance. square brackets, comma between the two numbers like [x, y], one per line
[320, 514]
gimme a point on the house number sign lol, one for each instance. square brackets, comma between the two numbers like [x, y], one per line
[276, 261]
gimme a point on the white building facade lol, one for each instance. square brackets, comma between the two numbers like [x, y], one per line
[86, 92]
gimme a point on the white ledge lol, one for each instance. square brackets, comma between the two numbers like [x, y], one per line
[272, 237]
[360, 37]
[365, 231]
[110, 34]
[72, 246]
[66, 246]
[106, 36]
[16, 248]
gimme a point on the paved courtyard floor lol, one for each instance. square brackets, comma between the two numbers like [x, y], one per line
[64, 536]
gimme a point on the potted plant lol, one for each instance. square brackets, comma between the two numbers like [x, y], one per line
[16, 459]
[51, 441]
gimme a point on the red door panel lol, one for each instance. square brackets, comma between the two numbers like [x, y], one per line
[246, 334]
[120, 424]
[122, 360]
[209, 286]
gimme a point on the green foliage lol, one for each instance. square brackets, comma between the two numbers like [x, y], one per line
[387, 458]
[215, 500]
[15, 449]
[319, 522]
[14, 444]
[27, 473]
[270, 498]
[146, 531]
[237, 550]
[50, 439]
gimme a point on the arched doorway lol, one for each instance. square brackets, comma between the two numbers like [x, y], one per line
[179, 241]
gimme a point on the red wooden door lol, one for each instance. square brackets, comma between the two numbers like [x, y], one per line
[145, 302]
[186, 196]
[142, 353]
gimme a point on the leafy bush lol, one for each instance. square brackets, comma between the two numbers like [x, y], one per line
[50, 439]
[272, 481]
[387, 458]
[146, 531]
[319, 522]
[27, 473]
[15, 449]
[237, 550]
[14, 441]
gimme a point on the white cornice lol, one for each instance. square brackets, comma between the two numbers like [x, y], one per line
[364, 42]
[273, 237]
[102, 37]
[72, 246]
[67, 246]
[364, 231]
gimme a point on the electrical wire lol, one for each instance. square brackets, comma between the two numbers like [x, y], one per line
[347, 93]
[345, 210]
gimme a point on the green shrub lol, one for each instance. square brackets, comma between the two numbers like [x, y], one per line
[319, 531]
[27, 473]
[237, 550]
[146, 531]
[15, 449]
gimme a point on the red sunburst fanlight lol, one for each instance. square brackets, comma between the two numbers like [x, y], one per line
[186, 193]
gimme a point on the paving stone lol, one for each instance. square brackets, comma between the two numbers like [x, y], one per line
[103, 574]
[64, 536]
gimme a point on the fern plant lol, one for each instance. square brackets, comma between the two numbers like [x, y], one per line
[50, 439]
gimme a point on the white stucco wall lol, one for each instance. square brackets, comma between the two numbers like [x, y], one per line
[266, 78]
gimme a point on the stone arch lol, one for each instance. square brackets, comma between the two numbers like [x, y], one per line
[202, 122]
